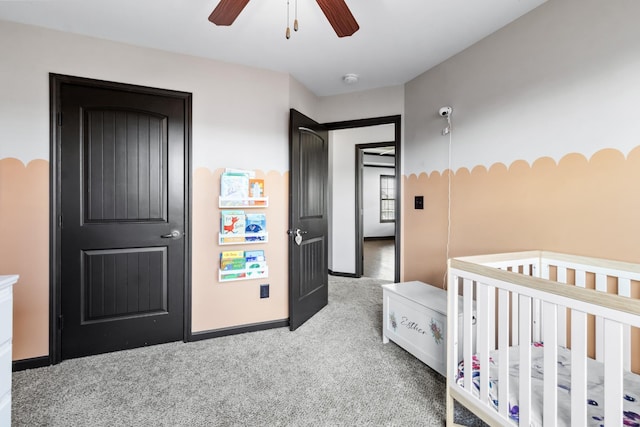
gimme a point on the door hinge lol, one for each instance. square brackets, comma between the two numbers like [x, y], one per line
[59, 221]
[60, 322]
[59, 119]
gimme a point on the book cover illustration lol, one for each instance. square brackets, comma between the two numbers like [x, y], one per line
[256, 190]
[232, 260]
[257, 255]
[255, 227]
[232, 254]
[233, 264]
[256, 187]
[232, 222]
[252, 265]
[234, 185]
[256, 265]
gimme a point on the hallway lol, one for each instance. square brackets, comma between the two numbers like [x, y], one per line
[379, 257]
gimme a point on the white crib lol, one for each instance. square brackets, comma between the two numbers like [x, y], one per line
[582, 309]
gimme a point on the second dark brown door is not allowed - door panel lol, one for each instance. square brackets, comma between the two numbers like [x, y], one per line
[308, 255]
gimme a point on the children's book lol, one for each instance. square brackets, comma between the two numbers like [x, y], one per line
[232, 254]
[254, 256]
[232, 222]
[256, 187]
[234, 185]
[251, 265]
[232, 264]
[248, 172]
[232, 260]
[255, 227]
[256, 190]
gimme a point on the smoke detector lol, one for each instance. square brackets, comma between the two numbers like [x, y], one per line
[350, 78]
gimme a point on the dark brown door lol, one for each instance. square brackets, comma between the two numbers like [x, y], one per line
[308, 248]
[122, 198]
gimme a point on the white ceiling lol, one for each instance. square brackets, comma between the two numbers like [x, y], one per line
[397, 41]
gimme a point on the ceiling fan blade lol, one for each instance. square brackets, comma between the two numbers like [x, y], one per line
[339, 16]
[227, 11]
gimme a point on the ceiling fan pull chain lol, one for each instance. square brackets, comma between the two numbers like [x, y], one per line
[288, 32]
[295, 21]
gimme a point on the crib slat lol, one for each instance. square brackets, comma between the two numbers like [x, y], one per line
[467, 346]
[538, 321]
[483, 315]
[525, 361]
[624, 289]
[503, 352]
[515, 331]
[601, 282]
[562, 312]
[581, 278]
[612, 373]
[578, 368]
[544, 273]
[514, 306]
[601, 285]
[550, 376]
[453, 337]
[561, 275]
[492, 317]
[580, 281]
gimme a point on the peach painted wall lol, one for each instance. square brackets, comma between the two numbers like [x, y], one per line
[24, 227]
[578, 205]
[219, 305]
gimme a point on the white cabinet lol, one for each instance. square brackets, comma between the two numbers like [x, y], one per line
[6, 329]
[414, 316]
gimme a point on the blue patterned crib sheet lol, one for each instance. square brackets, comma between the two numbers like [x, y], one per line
[595, 384]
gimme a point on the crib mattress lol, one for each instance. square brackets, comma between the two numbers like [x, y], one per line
[595, 392]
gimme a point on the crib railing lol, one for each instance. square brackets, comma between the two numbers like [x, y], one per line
[524, 297]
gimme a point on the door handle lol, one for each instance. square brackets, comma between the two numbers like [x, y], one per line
[173, 235]
[296, 232]
[298, 237]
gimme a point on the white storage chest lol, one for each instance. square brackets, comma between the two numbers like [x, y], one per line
[414, 316]
[6, 329]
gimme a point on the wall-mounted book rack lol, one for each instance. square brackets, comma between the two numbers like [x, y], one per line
[240, 190]
[243, 239]
[248, 202]
[244, 274]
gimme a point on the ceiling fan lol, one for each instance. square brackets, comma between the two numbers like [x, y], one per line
[336, 11]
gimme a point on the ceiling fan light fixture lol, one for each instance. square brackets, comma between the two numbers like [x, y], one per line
[336, 11]
[350, 78]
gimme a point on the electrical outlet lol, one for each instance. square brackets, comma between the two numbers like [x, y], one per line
[264, 291]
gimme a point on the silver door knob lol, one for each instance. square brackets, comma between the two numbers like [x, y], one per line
[173, 235]
[298, 236]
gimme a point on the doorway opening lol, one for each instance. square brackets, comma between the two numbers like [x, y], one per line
[375, 202]
[346, 227]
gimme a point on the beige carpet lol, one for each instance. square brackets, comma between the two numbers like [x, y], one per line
[332, 371]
